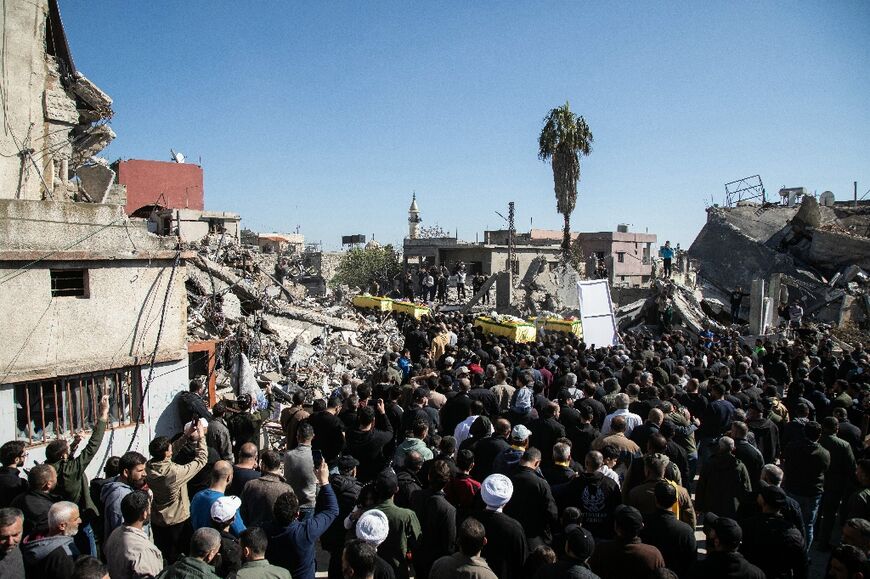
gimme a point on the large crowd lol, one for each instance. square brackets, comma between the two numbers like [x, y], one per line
[467, 455]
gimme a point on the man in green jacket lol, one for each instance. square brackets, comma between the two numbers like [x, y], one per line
[404, 525]
[72, 483]
[254, 542]
[204, 547]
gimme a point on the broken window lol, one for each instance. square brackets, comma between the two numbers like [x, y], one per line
[620, 256]
[46, 409]
[69, 283]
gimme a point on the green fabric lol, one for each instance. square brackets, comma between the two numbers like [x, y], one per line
[403, 535]
[261, 569]
[189, 568]
[72, 484]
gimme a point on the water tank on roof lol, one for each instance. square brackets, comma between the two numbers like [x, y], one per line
[792, 195]
[826, 199]
[622, 228]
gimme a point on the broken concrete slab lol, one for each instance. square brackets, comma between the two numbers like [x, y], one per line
[96, 180]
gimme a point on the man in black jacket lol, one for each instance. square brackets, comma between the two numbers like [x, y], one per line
[723, 561]
[35, 503]
[437, 520]
[347, 489]
[488, 448]
[674, 538]
[765, 431]
[506, 547]
[746, 453]
[366, 443]
[577, 420]
[594, 494]
[772, 543]
[12, 456]
[546, 431]
[839, 479]
[805, 464]
[532, 503]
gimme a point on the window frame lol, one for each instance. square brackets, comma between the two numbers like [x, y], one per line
[73, 404]
[86, 286]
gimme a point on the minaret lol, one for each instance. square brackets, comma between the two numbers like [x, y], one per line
[414, 219]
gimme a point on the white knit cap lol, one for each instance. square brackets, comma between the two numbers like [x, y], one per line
[224, 509]
[496, 490]
[373, 527]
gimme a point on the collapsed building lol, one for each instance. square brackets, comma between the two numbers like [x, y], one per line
[818, 256]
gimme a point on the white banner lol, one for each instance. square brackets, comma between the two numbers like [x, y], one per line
[596, 312]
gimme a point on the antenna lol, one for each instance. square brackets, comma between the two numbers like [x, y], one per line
[177, 157]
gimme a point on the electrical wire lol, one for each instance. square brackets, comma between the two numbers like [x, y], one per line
[154, 353]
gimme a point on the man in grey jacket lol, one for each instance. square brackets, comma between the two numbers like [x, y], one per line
[130, 553]
[259, 495]
[52, 556]
[299, 471]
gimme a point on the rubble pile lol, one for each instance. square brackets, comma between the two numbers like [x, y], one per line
[286, 336]
[822, 254]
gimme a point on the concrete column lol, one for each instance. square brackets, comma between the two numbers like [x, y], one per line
[503, 292]
[773, 291]
[756, 307]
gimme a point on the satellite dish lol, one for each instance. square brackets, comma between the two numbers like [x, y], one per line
[177, 157]
[826, 199]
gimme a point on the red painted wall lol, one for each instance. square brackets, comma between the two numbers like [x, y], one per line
[169, 184]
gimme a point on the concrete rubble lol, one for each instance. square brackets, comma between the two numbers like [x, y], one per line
[277, 330]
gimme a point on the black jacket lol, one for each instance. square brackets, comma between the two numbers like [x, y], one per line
[674, 538]
[35, 505]
[723, 485]
[841, 473]
[455, 410]
[532, 504]
[368, 448]
[346, 492]
[805, 466]
[726, 566]
[775, 546]
[545, 433]
[486, 397]
[409, 483]
[581, 434]
[766, 437]
[597, 496]
[11, 485]
[485, 452]
[752, 459]
[438, 532]
[506, 546]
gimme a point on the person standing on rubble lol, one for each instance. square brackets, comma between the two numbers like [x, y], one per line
[667, 253]
[427, 287]
[736, 298]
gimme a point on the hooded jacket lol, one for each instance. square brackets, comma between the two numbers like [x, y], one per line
[50, 556]
[723, 484]
[189, 568]
[111, 495]
[410, 445]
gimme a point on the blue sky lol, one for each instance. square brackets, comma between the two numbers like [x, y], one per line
[327, 115]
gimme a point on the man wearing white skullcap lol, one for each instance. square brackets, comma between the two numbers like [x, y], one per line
[506, 546]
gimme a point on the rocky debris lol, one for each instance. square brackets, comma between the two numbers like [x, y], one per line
[284, 336]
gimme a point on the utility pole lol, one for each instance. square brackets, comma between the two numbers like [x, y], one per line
[511, 241]
[855, 189]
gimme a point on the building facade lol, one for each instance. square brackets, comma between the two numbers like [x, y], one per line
[92, 302]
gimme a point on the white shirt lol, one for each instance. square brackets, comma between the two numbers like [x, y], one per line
[610, 473]
[631, 421]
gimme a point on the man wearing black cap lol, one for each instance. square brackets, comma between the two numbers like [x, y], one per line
[626, 556]
[723, 561]
[367, 441]
[347, 490]
[674, 538]
[579, 546]
[772, 543]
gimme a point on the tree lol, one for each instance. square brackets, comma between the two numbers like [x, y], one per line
[360, 267]
[563, 140]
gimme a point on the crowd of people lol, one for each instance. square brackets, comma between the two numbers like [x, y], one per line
[468, 455]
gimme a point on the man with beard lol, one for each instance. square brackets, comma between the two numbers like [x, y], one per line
[131, 477]
[129, 551]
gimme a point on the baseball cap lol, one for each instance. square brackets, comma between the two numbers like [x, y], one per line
[224, 509]
[628, 519]
[580, 541]
[727, 530]
[520, 433]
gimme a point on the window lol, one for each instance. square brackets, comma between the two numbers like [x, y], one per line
[46, 409]
[620, 256]
[69, 283]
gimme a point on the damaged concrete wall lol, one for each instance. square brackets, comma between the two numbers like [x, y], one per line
[52, 114]
[115, 325]
[161, 417]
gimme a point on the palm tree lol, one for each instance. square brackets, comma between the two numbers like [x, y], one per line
[564, 139]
